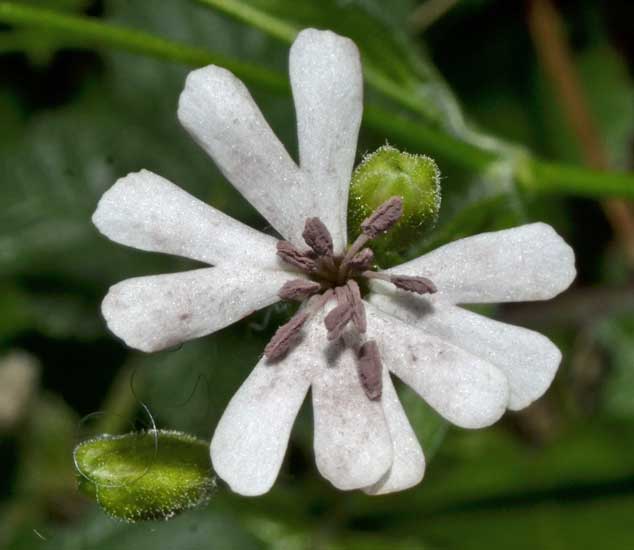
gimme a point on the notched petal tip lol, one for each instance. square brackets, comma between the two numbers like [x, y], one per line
[406, 480]
[322, 41]
[523, 395]
[563, 252]
[245, 488]
[486, 403]
[108, 205]
[113, 309]
[206, 83]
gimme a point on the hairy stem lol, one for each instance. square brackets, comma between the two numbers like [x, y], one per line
[533, 174]
[432, 141]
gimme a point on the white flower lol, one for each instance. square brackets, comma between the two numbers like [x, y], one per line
[467, 367]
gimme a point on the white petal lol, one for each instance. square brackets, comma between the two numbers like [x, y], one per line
[408, 466]
[466, 390]
[161, 311]
[528, 359]
[250, 440]
[327, 82]
[353, 447]
[220, 114]
[146, 211]
[531, 262]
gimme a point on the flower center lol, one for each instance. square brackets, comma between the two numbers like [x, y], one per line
[332, 276]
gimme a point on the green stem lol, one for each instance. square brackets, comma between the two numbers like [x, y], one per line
[286, 32]
[432, 141]
[120, 403]
[545, 177]
[533, 174]
[87, 31]
[242, 11]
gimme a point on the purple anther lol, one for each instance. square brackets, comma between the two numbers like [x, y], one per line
[383, 218]
[298, 290]
[337, 319]
[285, 336]
[318, 237]
[301, 260]
[356, 302]
[371, 370]
[419, 285]
[362, 261]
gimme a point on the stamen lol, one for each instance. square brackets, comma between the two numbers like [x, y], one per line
[356, 246]
[380, 221]
[318, 237]
[289, 254]
[419, 285]
[383, 218]
[285, 336]
[362, 261]
[328, 271]
[371, 370]
[317, 302]
[298, 290]
[356, 302]
[377, 275]
[339, 316]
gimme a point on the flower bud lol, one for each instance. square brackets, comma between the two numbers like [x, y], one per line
[387, 173]
[145, 475]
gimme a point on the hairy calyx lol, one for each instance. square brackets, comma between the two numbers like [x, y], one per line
[336, 277]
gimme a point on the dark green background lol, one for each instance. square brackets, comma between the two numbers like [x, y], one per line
[559, 475]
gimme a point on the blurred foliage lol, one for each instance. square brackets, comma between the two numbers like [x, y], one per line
[558, 475]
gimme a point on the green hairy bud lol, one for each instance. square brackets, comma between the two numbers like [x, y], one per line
[145, 475]
[387, 173]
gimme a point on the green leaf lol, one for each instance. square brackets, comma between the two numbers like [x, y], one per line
[616, 336]
[45, 470]
[189, 388]
[567, 522]
[198, 529]
[62, 161]
[609, 92]
[59, 5]
[145, 475]
[281, 534]
[54, 313]
[494, 465]
[612, 101]
[44, 478]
